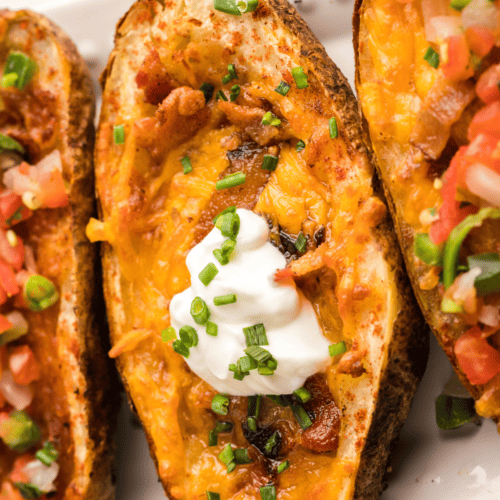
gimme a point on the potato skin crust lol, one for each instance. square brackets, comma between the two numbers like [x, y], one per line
[409, 345]
[88, 377]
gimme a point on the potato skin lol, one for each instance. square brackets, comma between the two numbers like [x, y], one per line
[409, 345]
[88, 377]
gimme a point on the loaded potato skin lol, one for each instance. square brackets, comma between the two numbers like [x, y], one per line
[60, 386]
[196, 101]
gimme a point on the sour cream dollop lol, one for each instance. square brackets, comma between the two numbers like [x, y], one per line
[295, 337]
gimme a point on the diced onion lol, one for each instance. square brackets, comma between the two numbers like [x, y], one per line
[439, 28]
[482, 13]
[19, 396]
[483, 182]
[490, 316]
[464, 292]
[41, 476]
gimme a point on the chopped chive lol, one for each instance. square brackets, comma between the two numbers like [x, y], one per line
[227, 6]
[432, 57]
[220, 95]
[212, 329]
[235, 92]
[208, 91]
[223, 260]
[336, 349]
[254, 405]
[21, 65]
[265, 370]
[226, 456]
[208, 273]
[459, 4]
[232, 74]
[302, 394]
[246, 363]
[270, 163]
[47, 454]
[168, 334]
[220, 404]
[252, 424]
[119, 134]
[268, 492]
[231, 466]
[255, 335]
[300, 77]
[212, 496]
[199, 311]
[231, 181]
[270, 119]
[427, 251]
[259, 354]
[40, 293]
[276, 399]
[301, 416]
[186, 165]
[271, 443]
[283, 466]
[222, 300]
[300, 146]
[332, 125]
[28, 490]
[282, 88]
[212, 438]
[225, 211]
[223, 426]
[246, 6]
[180, 348]
[188, 336]
[301, 243]
[241, 456]
[228, 247]
[7, 142]
[230, 226]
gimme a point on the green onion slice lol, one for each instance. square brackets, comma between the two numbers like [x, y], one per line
[212, 496]
[270, 163]
[47, 454]
[246, 6]
[282, 88]
[7, 142]
[223, 426]
[223, 300]
[283, 466]
[230, 226]
[212, 438]
[332, 126]
[453, 412]
[337, 349]
[254, 403]
[223, 260]
[301, 243]
[208, 273]
[208, 91]
[259, 354]
[119, 134]
[225, 211]
[168, 334]
[255, 335]
[186, 165]
[300, 146]
[220, 95]
[235, 92]
[21, 65]
[246, 363]
[8, 80]
[212, 329]
[270, 119]
[19, 432]
[300, 77]
[200, 314]
[231, 75]
[188, 336]
[271, 442]
[231, 181]
[40, 293]
[268, 492]
[459, 4]
[432, 57]
[180, 348]
[277, 399]
[227, 6]
[220, 404]
[231, 466]
[241, 456]
[226, 456]
[252, 424]
[29, 491]
[302, 394]
[489, 279]
[301, 416]
[427, 251]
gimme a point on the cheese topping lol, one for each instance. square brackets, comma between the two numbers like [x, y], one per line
[295, 337]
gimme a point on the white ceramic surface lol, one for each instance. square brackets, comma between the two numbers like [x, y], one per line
[428, 463]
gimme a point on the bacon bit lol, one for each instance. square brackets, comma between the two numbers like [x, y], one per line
[130, 341]
[372, 212]
[283, 274]
[23, 365]
[154, 79]
[351, 362]
[179, 117]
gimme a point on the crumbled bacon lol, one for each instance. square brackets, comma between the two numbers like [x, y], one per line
[179, 117]
[351, 362]
[154, 79]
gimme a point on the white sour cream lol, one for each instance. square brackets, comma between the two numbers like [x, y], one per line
[295, 337]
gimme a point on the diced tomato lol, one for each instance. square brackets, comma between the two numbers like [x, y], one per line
[457, 66]
[17, 475]
[486, 121]
[23, 365]
[479, 360]
[8, 279]
[5, 324]
[487, 87]
[450, 213]
[480, 40]
[8, 492]
[12, 210]
[3, 296]
[13, 255]
[53, 191]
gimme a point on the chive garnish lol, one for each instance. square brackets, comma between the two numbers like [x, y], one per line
[336, 349]
[459, 4]
[180, 348]
[47, 454]
[241, 456]
[220, 95]
[168, 334]
[300, 77]
[223, 426]
[270, 119]
[223, 260]
[119, 134]
[283, 466]
[186, 165]
[301, 243]
[212, 329]
[268, 492]
[212, 496]
[255, 335]
[226, 456]
[199, 311]
[246, 363]
[208, 273]
[301, 416]
[270, 163]
[300, 146]
[432, 57]
[22, 66]
[225, 211]
[332, 125]
[227, 6]
[427, 251]
[231, 75]
[254, 405]
[231, 181]
[222, 300]
[252, 424]
[40, 293]
[282, 88]
[231, 466]
[7, 142]
[302, 394]
[212, 438]
[277, 399]
[28, 490]
[208, 91]
[188, 336]
[235, 92]
[271, 442]
[220, 404]
[246, 6]
[230, 225]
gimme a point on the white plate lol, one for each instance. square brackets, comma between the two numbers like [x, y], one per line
[428, 463]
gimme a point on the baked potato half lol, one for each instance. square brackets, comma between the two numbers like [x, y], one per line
[427, 77]
[55, 402]
[274, 132]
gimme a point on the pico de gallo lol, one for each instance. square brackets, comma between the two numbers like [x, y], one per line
[461, 241]
[24, 188]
